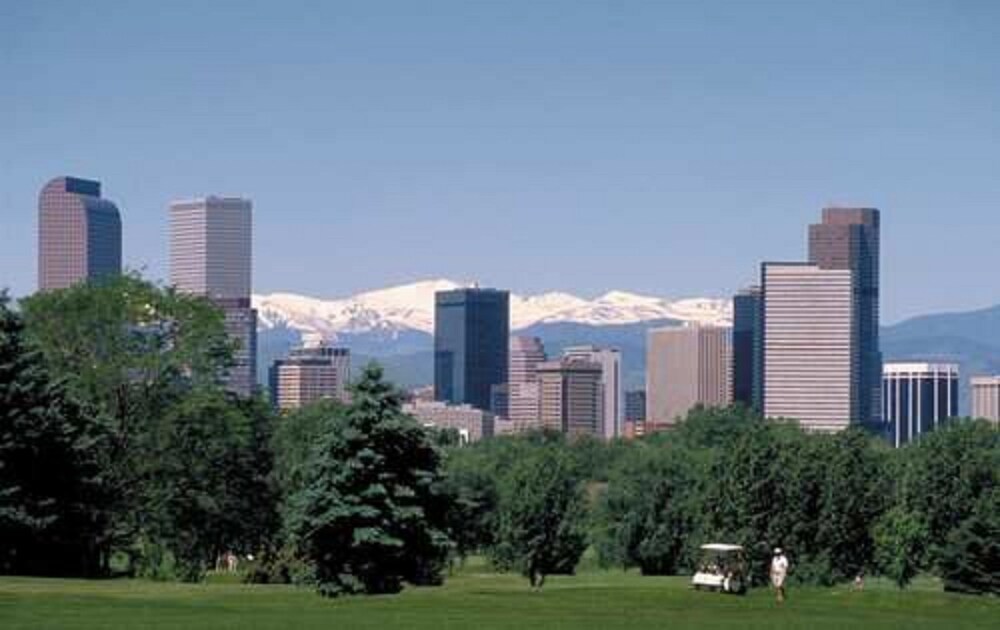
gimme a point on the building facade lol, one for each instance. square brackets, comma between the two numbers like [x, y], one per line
[570, 396]
[748, 348]
[917, 398]
[635, 406]
[523, 400]
[810, 370]
[849, 239]
[79, 234]
[470, 423]
[471, 337]
[211, 256]
[309, 375]
[685, 367]
[612, 393]
[986, 398]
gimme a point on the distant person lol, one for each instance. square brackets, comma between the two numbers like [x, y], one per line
[779, 571]
[859, 582]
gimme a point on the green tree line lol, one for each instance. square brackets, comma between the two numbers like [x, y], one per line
[121, 453]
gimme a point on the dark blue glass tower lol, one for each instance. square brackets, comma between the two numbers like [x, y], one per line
[748, 355]
[471, 340]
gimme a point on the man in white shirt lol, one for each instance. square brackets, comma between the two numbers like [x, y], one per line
[779, 571]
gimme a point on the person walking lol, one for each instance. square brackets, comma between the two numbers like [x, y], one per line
[779, 572]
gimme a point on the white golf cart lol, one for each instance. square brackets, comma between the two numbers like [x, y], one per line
[722, 568]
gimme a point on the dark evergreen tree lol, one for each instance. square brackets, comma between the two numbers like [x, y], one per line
[51, 495]
[371, 515]
[970, 559]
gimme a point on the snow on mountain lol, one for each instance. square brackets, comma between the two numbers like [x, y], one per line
[411, 307]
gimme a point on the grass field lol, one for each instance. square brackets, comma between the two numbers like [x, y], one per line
[483, 601]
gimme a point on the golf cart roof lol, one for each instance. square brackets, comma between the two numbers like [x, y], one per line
[721, 547]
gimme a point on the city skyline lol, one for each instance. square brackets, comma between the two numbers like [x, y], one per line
[673, 134]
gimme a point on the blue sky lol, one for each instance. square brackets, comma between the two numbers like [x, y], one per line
[657, 147]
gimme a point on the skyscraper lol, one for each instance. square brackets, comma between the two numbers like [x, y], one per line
[848, 238]
[570, 391]
[526, 353]
[210, 256]
[917, 398]
[309, 375]
[986, 398]
[471, 331]
[810, 370]
[612, 393]
[748, 351]
[79, 234]
[686, 367]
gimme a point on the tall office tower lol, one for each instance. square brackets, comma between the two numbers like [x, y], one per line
[810, 371]
[635, 406]
[570, 391]
[471, 331]
[748, 350]
[986, 398]
[309, 375]
[848, 238]
[686, 367]
[917, 398]
[210, 256]
[526, 353]
[79, 234]
[612, 394]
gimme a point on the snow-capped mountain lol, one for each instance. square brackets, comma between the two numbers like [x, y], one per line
[410, 307]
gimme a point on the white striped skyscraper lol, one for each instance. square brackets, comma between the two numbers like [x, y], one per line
[210, 255]
[810, 368]
[685, 367]
[986, 398]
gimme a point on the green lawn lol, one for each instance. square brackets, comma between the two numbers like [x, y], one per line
[482, 601]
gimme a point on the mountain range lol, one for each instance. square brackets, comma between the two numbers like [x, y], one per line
[395, 326]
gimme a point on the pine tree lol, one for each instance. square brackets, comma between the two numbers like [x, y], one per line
[372, 513]
[50, 497]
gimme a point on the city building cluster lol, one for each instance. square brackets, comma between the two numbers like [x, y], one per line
[803, 344]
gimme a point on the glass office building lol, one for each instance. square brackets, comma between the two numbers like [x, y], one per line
[471, 337]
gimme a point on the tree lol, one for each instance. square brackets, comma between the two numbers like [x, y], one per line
[371, 515]
[970, 559]
[128, 351]
[209, 489]
[541, 520]
[473, 488]
[901, 539]
[50, 490]
[647, 514]
[946, 473]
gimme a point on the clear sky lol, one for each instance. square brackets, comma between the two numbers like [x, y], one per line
[657, 147]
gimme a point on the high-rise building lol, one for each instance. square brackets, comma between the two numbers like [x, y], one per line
[748, 348]
[470, 423]
[848, 238]
[810, 370]
[523, 400]
[986, 398]
[917, 398]
[570, 391]
[612, 393]
[635, 406]
[79, 234]
[685, 367]
[210, 256]
[309, 375]
[471, 336]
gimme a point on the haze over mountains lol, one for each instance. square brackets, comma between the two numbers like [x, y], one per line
[395, 326]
